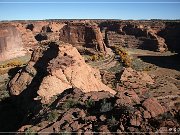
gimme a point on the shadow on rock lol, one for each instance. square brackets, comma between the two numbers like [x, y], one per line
[10, 119]
[12, 72]
[170, 62]
[17, 110]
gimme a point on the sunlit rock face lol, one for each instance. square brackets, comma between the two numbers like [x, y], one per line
[10, 43]
[86, 35]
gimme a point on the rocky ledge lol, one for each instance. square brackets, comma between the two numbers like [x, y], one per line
[54, 68]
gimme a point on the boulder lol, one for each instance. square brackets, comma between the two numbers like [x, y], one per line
[153, 107]
[128, 97]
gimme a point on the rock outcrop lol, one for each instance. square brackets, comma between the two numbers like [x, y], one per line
[83, 35]
[92, 37]
[10, 43]
[153, 107]
[171, 34]
[136, 80]
[134, 34]
[76, 111]
[58, 68]
[27, 35]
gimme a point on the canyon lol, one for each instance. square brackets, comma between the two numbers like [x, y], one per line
[89, 76]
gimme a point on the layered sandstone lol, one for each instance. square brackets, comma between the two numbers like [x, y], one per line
[134, 34]
[83, 34]
[59, 67]
[10, 42]
[92, 37]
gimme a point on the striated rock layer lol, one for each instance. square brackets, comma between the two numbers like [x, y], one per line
[56, 68]
[10, 42]
[134, 34]
[83, 34]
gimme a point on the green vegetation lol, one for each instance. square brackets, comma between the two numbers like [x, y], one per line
[139, 65]
[89, 103]
[112, 122]
[16, 62]
[105, 106]
[53, 116]
[29, 131]
[97, 57]
[69, 104]
[12, 63]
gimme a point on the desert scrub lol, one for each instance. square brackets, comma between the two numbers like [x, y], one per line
[124, 56]
[97, 57]
[89, 103]
[139, 65]
[112, 122]
[12, 63]
[53, 116]
[29, 131]
[70, 103]
[105, 106]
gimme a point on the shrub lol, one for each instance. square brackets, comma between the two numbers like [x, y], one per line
[69, 104]
[112, 122]
[124, 57]
[97, 57]
[89, 103]
[53, 116]
[30, 132]
[12, 63]
[105, 106]
[94, 58]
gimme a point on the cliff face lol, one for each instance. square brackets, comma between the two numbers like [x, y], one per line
[88, 37]
[84, 35]
[10, 42]
[134, 34]
[171, 34]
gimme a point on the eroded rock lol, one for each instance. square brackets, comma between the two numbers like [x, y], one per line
[153, 107]
[10, 43]
[59, 67]
[83, 34]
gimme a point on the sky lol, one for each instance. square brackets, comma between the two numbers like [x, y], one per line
[89, 9]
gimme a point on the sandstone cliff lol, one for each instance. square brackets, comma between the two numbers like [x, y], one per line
[83, 34]
[134, 34]
[10, 42]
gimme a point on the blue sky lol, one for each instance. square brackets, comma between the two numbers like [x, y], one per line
[38, 11]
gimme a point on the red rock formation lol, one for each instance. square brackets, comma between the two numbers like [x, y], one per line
[171, 34]
[27, 35]
[153, 107]
[83, 34]
[10, 42]
[135, 34]
[62, 67]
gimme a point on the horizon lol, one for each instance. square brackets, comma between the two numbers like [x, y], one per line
[93, 19]
[91, 9]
